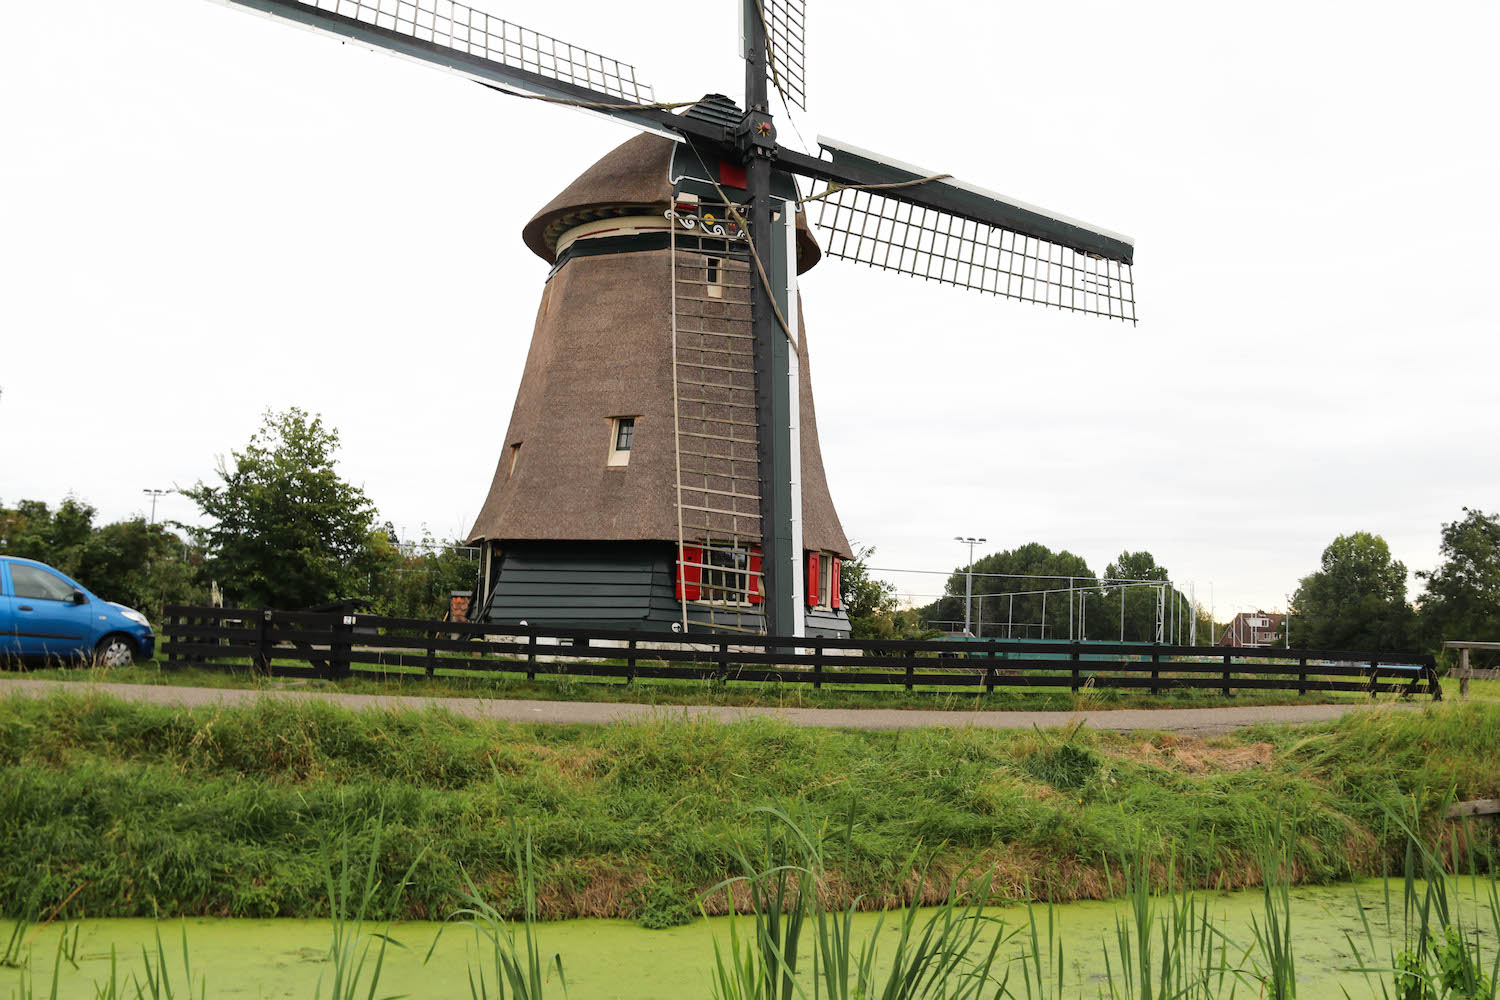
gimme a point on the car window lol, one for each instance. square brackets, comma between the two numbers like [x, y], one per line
[33, 581]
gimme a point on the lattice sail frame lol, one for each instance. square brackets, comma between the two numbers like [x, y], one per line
[885, 232]
[786, 43]
[462, 28]
[715, 415]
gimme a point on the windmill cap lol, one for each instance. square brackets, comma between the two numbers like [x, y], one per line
[635, 178]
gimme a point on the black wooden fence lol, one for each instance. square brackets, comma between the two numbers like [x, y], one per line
[333, 645]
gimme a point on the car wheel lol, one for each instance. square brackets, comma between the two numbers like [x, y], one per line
[114, 651]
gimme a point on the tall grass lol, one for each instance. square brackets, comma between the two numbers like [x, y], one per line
[943, 955]
[1440, 952]
[511, 964]
[254, 792]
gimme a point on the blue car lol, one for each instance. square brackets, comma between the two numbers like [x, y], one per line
[46, 616]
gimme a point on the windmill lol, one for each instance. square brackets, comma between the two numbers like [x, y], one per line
[734, 236]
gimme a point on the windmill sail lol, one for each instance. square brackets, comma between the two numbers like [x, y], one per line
[786, 45]
[897, 217]
[482, 47]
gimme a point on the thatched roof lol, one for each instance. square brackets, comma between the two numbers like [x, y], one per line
[634, 178]
[602, 348]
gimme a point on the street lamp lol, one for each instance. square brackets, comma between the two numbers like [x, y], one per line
[154, 494]
[968, 577]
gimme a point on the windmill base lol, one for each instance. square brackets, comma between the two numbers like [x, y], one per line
[610, 585]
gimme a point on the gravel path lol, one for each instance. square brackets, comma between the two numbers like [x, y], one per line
[1193, 720]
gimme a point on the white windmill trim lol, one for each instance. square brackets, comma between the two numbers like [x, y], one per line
[794, 388]
[853, 150]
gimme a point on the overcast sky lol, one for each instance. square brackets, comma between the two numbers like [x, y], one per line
[205, 214]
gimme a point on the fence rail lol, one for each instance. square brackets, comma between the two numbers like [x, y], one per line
[334, 645]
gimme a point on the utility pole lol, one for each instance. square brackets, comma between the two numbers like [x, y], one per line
[153, 494]
[968, 578]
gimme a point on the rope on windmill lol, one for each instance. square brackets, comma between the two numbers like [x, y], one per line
[754, 254]
[834, 189]
[607, 105]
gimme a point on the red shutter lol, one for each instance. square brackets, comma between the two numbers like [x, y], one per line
[833, 585]
[812, 579]
[689, 576]
[757, 582]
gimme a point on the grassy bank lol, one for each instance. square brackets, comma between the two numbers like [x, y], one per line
[137, 810]
[454, 683]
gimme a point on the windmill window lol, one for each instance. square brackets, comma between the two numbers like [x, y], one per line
[714, 275]
[515, 453]
[725, 576]
[621, 439]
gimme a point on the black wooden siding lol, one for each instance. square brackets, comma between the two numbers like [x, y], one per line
[609, 585]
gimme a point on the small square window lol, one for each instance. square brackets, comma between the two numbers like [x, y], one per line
[714, 275]
[621, 439]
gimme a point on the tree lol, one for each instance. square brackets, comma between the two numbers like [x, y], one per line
[1028, 607]
[417, 581]
[1462, 599]
[140, 565]
[286, 530]
[143, 566]
[871, 604]
[1141, 602]
[34, 531]
[1356, 600]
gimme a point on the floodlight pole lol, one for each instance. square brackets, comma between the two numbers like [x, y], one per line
[154, 494]
[969, 578]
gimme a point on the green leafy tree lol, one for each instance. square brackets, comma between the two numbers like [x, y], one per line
[1356, 600]
[34, 531]
[140, 565]
[287, 531]
[1139, 622]
[1462, 599]
[874, 611]
[143, 566]
[418, 580]
[1028, 608]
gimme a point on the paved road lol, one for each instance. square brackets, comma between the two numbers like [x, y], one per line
[1195, 720]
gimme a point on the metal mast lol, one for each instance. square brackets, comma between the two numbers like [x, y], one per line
[780, 560]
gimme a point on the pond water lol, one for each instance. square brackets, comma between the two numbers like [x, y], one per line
[607, 959]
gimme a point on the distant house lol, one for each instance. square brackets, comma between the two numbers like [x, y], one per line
[1254, 628]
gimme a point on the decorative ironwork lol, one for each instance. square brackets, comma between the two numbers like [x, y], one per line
[890, 233]
[464, 29]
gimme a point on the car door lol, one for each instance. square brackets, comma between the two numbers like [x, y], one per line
[10, 646]
[48, 623]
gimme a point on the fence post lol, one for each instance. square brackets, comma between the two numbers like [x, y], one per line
[1464, 673]
[911, 669]
[431, 654]
[817, 666]
[1077, 680]
[530, 653]
[263, 642]
[1302, 675]
[344, 629]
[630, 662]
[723, 660]
[1227, 660]
[1155, 669]
[1374, 677]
